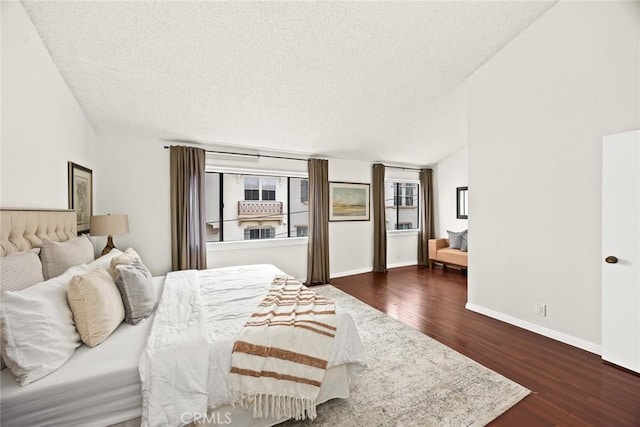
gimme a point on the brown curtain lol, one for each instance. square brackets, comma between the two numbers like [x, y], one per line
[379, 221]
[188, 241]
[426, 217]
[318, 253]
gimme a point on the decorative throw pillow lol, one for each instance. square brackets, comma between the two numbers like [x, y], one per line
[463, 245]
[58, 257]
[20, 270]
[137, 291]
[125, 258]
[96, 305]
[455, 238]
[38, 334]
[105, 260]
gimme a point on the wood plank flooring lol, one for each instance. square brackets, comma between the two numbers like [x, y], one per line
[570, 387]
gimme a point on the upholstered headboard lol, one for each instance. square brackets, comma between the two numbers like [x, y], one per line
[23, 229]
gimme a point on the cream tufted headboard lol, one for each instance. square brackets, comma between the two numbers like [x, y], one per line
[23, 229]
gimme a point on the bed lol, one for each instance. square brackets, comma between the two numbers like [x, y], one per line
[102, 385]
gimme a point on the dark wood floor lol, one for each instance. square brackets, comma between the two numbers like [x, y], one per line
[570, 387]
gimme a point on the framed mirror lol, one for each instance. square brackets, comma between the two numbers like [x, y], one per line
[462, 202]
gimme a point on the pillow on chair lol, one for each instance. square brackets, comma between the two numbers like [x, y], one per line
[455, 238]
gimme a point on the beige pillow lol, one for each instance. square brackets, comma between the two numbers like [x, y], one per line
[96, 305]
[58, 257]
[126, 258]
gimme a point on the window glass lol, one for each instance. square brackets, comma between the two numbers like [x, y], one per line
[251, 188]
[212, 205]
[268, 188]
[299, 209]
[254, 207]
[304, 191]
[402, 205]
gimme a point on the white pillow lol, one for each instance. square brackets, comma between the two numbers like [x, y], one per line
[105, 260]
[38, 333]
[20, 270]
[57, 257]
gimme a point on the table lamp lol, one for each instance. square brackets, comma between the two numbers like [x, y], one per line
[108, 225]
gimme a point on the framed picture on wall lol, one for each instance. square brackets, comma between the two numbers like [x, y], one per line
[462, 202]
[80, 181]
[348, 201]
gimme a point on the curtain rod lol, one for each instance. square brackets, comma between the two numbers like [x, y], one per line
[250, 155]
[402, 167]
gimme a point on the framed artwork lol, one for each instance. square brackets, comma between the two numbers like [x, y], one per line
[348, 201]
[81, 194]
[462, 202]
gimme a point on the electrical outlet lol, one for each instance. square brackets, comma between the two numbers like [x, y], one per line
[541, 309]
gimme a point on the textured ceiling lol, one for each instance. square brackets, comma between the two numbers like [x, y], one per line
[360, 80]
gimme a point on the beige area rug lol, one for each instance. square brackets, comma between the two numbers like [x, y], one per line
[412, 380]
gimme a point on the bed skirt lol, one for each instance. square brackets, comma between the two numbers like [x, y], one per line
[336, 385]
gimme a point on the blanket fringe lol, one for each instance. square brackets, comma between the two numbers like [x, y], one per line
[276, 406]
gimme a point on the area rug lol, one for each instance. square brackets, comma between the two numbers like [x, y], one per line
[412, 380]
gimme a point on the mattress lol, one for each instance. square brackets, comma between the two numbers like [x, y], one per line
[98, 386]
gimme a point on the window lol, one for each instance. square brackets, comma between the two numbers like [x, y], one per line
[302, 230]
[251, 188]
[402, 205]
[268, 188]
[251, 207]
[397, 196]
[253, 233]
[408, 194]
[304, 191]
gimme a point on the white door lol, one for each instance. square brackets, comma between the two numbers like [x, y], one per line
[621, 250]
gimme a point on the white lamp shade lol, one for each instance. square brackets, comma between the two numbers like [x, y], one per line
[109, 225]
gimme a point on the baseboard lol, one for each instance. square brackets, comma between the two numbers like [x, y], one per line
[402, 264]
[351, 272]
[540, 330]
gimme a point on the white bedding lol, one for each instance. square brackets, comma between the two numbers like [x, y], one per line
[96, 387]
[185, 365]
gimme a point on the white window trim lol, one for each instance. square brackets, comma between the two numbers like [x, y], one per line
[396, 233]
[253, 171]
[419, 194]
[257, 243]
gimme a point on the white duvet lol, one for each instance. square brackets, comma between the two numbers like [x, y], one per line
[185, 364]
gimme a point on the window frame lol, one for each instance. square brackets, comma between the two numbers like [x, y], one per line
[400, 186]
[281, 238]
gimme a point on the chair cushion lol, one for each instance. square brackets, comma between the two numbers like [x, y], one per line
[452, 256]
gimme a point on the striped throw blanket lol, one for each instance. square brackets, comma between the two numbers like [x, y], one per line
[280, 356]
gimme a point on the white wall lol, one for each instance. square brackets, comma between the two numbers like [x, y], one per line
[288, 255]
[450, 173]
[137, 183]
[351, 242]
[537, 113]
[43, 126]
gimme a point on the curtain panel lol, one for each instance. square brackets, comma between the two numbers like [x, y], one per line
[379, 221]
[318, 237]
[426, 217]
[188, 239]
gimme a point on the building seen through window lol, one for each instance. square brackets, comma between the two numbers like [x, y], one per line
[252, 207]
[402, 205]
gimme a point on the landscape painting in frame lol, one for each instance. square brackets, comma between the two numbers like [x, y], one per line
[81, 195]
[348, 201]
